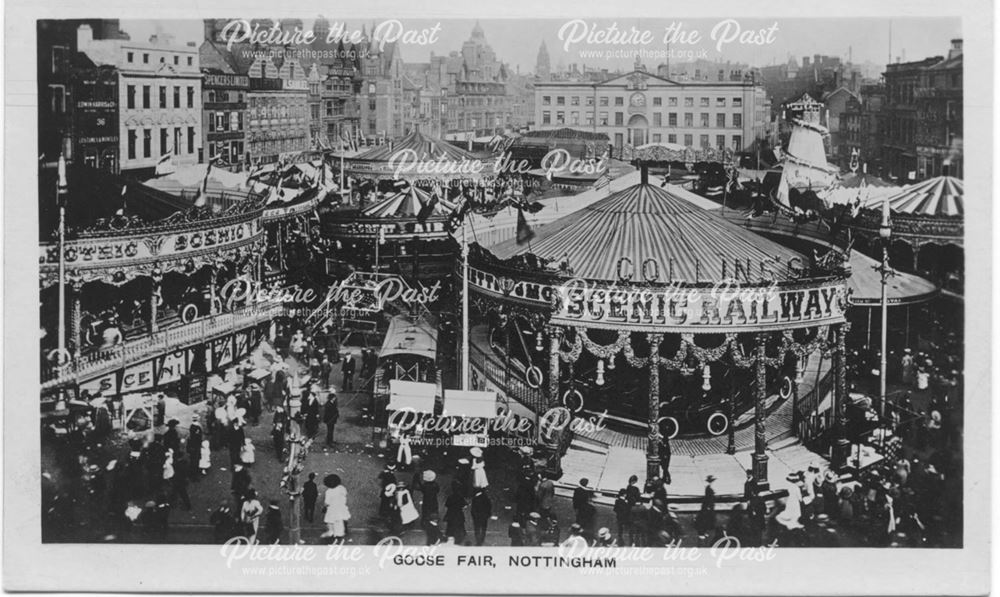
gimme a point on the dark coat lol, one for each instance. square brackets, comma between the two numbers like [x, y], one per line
[331, 413]
[481, 508]
[429, 506]
[310, 493]
[348, 366]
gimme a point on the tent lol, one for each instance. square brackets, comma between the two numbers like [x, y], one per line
[461, 403]
[416, 396]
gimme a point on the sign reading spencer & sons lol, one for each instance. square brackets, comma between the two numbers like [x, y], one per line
[230, 81]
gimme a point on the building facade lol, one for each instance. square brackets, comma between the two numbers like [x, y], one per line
[923, 117]
[159, 98]
[278, 110]
[861, 123]
[224, 97]
[640, 108]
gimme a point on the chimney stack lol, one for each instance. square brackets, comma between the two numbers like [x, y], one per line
[956, 48]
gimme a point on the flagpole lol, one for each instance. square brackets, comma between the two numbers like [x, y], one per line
[465, 307]
[61, 190]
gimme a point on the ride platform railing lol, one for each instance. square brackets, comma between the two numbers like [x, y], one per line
[136, 350]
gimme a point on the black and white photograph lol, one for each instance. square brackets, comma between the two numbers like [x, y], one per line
[414, 301]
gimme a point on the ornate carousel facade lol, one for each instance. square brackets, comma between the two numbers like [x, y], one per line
[658, 313]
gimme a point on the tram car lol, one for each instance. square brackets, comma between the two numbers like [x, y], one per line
[408, 354]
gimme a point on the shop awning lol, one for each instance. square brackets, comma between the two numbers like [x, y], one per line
[462, 403]
[416, 396]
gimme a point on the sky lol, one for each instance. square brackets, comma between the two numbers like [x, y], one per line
[516, 41]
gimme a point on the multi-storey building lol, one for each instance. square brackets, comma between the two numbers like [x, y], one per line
[159, 98]
[923, 117]
[860, 124]
[224, 97]
[836, 103]
[278, 110]
[77, 99]
[640, 108]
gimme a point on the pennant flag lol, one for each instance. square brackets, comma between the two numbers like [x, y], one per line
[202, 197]
[524, 232]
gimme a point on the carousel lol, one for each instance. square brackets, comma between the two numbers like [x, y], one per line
[927, 228]
[664, 316]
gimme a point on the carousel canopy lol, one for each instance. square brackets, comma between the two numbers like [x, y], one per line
[936, 197]
[407, 204]
[426, 148]
[865, 285]
[646, 221]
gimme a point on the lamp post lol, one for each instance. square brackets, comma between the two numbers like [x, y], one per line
[62, 189]
[465, 308]
[885, 234]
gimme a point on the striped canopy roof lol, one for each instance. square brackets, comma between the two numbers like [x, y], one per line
[646, 221]
[427, 148]
[865, 285]
[406, 204]
[936, 197]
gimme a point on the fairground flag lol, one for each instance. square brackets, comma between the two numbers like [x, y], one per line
[524, 232]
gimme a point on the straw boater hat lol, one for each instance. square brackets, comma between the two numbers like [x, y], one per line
[476, 451]
[390, 489]
[463, 461]
[391, 466]
[429, 476]
[604, 533]
[710, 479]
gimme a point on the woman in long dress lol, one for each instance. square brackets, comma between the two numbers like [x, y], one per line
[250, 515]
[336, 513]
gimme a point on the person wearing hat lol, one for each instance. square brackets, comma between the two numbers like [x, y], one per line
[335, 510]
[171, 438]
[454, 514]
[194, 439]
[273, 524]
[250, 514]
[907, 368]
[481, 508]
[705, 521]
[310, 493]
[331, 414]
[240, 483]
[479, 480]
[347, 368]
[223, 523]
[532, 530]
[516, 534]
[585, 511]
[429, 511]
[464, 477]
[604, 538]
[386, 478]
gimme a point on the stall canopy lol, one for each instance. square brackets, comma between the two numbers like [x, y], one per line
[412, 395]
[463, 403]
[428, 155]
[865, 285]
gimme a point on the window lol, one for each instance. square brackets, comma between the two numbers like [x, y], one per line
[546, 100]
[737, 119]
[574, 118]
[657, 138]
[619, 139]
[560, 117]
[619, 118]
[737, 102]
[234, 121]
[603, 120]
[131, 57]
[177, 96]
[720, 121]
[657, 119]
[688, 140]
[657, 101]
[672, 119]
[688, 119]
[177, 140]
[132, 137]
[560, 100]
[703, 141]
[672, 101]
[546, 117]
[177, 60]
[190, 61]
[145, 97]
[689, 102]
[211, 122]
[190, 98]
[147, 143]
[163, 141]
[704, 120]
[130, 96]
[590, 119]
[145, 58]
[671, 138]
[163, 96]
[703, 102]
[720, 141]
[590, 100]
[163, 59]
[737, 143]
[190, 139]
[619, 101]
[604, 101]
[371, 105]
[574, 101]
[720, 102]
